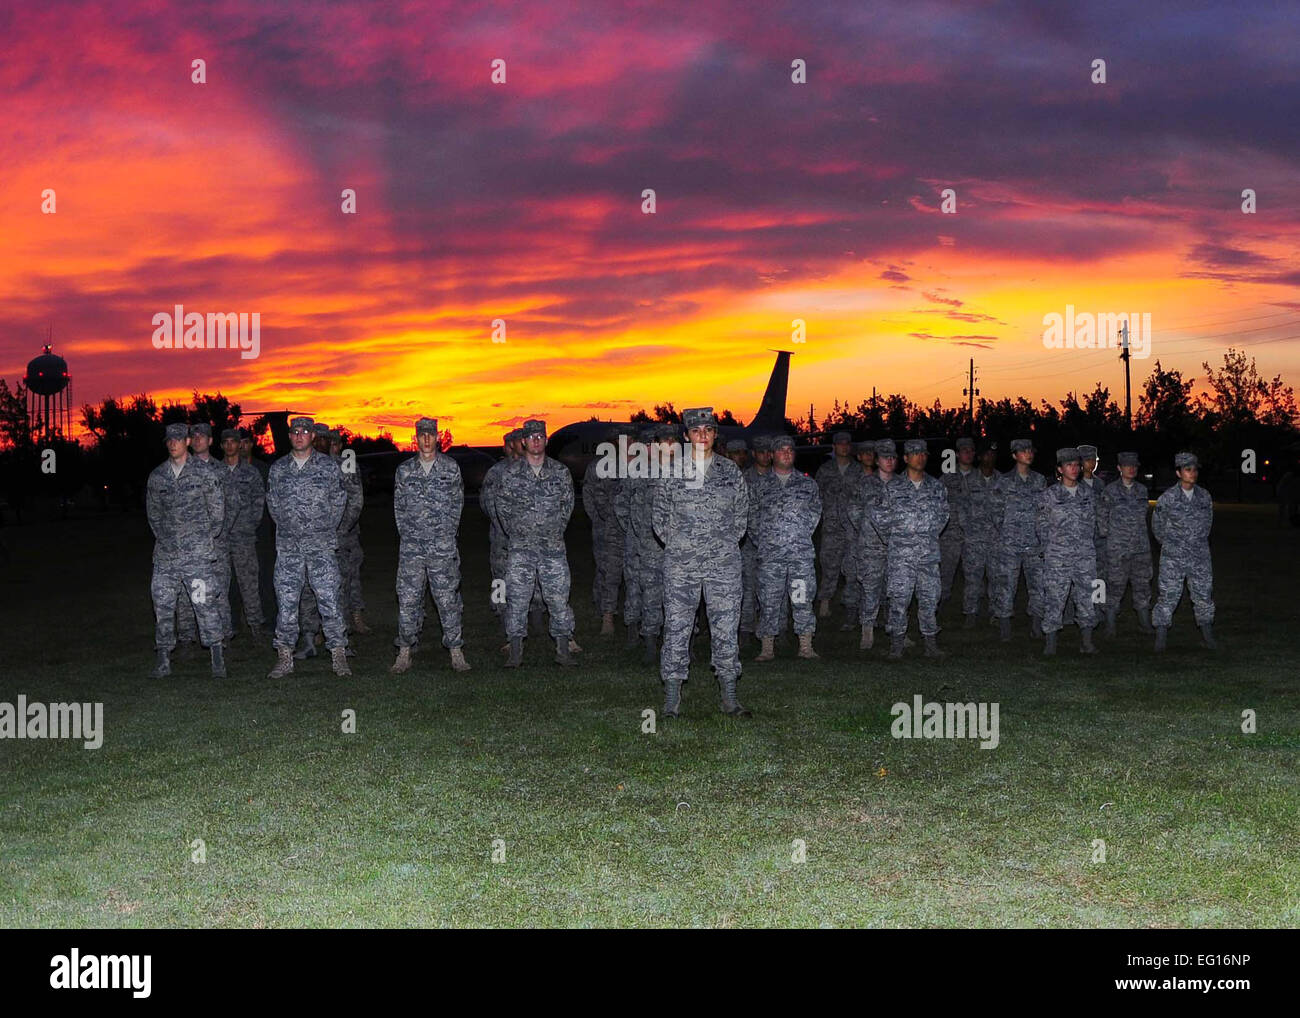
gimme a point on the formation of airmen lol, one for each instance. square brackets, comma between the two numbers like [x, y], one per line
[705, 538]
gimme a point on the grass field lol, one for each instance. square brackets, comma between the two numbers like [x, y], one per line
[604, 825]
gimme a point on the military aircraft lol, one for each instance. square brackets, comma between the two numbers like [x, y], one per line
[575, 445]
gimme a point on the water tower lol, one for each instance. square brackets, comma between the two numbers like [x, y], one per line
[49, 394]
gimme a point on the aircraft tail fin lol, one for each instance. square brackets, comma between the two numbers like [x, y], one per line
[771, 412]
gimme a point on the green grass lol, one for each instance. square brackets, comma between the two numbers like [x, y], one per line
[604, 825]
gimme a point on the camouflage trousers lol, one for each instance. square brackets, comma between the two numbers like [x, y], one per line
[913, 572]
[607, 546]
[650, 579]
[833, 551]
[1124, 570]
[243, 563]
[780, 580]
[1175, 569]
[748, 586]
[296, 570]
[632, 582]
[871, 583]
[526, 569]
[950, 555]
[417, 567]
[1062, 578]
[1007, 567]
[178, 583]
[350, 558]
[497, 564]
[187, 612]
[977, 575]
[716, 578]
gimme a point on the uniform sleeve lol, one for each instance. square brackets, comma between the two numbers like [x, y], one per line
[740, 508]
[272, 496]
[590, 496]
[567, 501]
[662, 513]
[623, 504]
[853, 508]
[815, 508]
[1158, 522]
[338, 495]
[153, 505]
[258, 500]
[1209, 516]
[401, 502]
[487, 492]
[878, 513]
[355, 499]
[1043, 519]
[1103, 512]
[216, 497]
[943, 509]
[457, 497]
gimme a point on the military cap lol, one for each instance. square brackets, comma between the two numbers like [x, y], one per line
[515, 435]
[302, 424]
[534, 427]
[1022, 445]
[868, 445]
[509, 436]
[177, 430]
[1186, 459]
[202, 428]
[782, 442]
[762, 443]
[230, 433]
[429, 424]
[965, 443]
[699, 417]
[841, 436]
[737, 445]
[987, 446]
[321, 429]
[335, 435]
[914, 445]
[886, 447]
[1127, 459]
[1088, 452]
[1067, 455]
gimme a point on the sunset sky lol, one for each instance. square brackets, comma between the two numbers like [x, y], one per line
[523, 201]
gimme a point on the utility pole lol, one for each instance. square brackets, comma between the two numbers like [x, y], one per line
[970, 392]
[1128, 391]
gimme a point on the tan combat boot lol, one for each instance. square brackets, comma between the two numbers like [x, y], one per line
[458, 661]
[359, 623]
[339, 658]
[607, 624]
[403, 662]
[573, 646]
[767, 653]
[868, 638]
[806, 647]
[283, 665]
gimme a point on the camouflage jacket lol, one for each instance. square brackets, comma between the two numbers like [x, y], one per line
[1065, 527]
[185, 512]
[865, 496]
[598, 496]
[534, 509]
[910, 518]
[1122, 518]
[488, 493]
[1015, 509]
[350, 525]
[835, 491]
[245, 501]
[696, 517]
[782, 517]
[306, 502]
[979, 508]
[428, 505]
[955, 484]
[1182, 524]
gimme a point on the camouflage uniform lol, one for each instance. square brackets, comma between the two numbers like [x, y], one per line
[427, 503]
[534, 509]
[187, 613]
[1123, 521]
[1015, 501]
[871, 554]
[631, 493]
[635, 505]
[979, 539]
[186, 511]
[1098, 487]
[783, 513]
[246, 507]
[598, 496]
[307, 502]
[700, 520]
[488, 494]
[1181, 522]
[1067, 521]
[834, 484]
[911, 518]
[349, 554]
[749, 549]
[952, 540]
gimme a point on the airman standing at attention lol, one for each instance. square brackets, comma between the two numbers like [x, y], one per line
[306, 499]
[512, 443]
[1181, 522]
[201, 450]
[600, 487]
[784, 510]
[911, 517]
[428, 496]
[1018, 550]
[350, 553]
[246, 506]
[762, 448]
[872, 551]
[186, 508]
[1067, 522]
[534, 506]
[1123, 523]
[700, 517]
[952, 540]
[833, 478]
[1092, 480]
[979, 534]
